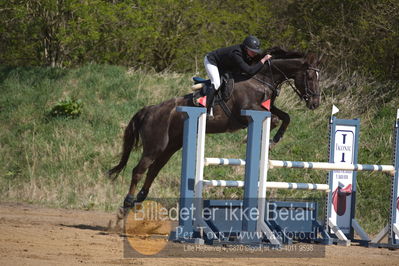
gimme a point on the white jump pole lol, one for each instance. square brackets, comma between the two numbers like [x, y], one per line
[199, 222]
[307, 165]
[277, 185]
[332, 166]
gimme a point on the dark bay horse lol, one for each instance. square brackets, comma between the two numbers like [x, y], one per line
[160, 127]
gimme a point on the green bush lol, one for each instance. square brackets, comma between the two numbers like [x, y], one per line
[70, 108]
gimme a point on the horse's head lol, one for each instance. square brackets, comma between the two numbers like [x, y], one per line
[303, 69]
[307, 81]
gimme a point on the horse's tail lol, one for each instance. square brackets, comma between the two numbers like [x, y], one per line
[131, 140]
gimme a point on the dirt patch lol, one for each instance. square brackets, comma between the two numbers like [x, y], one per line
[32, 235]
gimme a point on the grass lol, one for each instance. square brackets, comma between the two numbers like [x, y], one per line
[61, 161]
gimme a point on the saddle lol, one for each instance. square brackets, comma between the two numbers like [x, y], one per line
[339, 199]
[223, 94]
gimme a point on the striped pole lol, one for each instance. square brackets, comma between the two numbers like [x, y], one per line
[307, 165]
[224, 161]
[332, 166]
[278, 185]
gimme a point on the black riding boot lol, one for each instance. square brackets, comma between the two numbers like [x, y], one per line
[210, 100]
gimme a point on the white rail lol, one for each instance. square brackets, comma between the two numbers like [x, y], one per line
[282, 185]
[332, 166]
[307, 165]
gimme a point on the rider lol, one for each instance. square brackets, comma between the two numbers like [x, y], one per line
[234, 59]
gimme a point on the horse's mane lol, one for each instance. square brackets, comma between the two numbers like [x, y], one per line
[281, 53]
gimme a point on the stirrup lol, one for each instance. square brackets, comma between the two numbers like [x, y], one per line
[210, 114]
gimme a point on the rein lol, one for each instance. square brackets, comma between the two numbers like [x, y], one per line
[308, 92]
[275, 88]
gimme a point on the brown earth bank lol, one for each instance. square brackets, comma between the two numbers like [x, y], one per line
[32, 235]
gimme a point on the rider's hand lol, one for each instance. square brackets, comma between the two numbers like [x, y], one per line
[265, 58]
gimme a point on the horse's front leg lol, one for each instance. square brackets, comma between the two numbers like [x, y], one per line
[285, 118]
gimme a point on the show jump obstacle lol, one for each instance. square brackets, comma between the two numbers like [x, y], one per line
[254, 220]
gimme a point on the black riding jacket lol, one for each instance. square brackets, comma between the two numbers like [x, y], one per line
[234, 59]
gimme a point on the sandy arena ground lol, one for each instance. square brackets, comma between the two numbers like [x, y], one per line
[32, 235]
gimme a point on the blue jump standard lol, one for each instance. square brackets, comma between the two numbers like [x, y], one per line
[393, 238]
[252, 167]
[186, 231]
[354, 124]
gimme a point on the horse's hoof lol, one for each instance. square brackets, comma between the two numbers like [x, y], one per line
[128, 202]
[272, 144]
[210, 117]
[141, 196]
[122, 213]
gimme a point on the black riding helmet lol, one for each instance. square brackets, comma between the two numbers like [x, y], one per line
[252, 43]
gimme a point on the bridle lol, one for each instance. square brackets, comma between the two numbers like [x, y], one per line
[309, 93]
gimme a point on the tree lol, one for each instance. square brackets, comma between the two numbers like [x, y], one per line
[357, 35]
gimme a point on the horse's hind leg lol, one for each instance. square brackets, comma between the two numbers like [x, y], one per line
[154, 169]
[137, 174]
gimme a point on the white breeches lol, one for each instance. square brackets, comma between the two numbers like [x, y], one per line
[213, 73]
